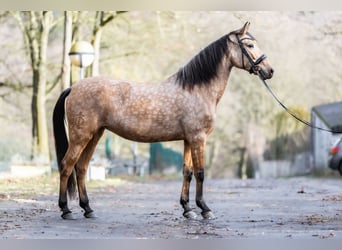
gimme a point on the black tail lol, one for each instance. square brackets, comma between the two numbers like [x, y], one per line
[61, 140]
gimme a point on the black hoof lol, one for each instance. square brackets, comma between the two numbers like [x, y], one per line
[208, 215]
[90, 215]
[190, 215]
[68, 216]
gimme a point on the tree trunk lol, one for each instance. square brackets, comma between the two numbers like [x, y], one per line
[36, 27]
[95, 67]
[39, 121]
[96, 42]
[66, 70]
[101, 20]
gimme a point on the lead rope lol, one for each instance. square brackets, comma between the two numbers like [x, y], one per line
[294, 115]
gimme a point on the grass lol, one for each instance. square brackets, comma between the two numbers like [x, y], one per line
[28, 187]
[49, 185]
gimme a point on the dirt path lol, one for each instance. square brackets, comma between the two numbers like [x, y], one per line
[292, 208]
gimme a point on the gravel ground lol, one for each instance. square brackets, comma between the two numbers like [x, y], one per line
[294, 208]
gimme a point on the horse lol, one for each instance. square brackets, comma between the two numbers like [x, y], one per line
[182, 107]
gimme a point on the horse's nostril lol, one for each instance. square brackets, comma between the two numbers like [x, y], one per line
[271, 71]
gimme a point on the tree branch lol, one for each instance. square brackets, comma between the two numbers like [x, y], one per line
[16, 87]
[106, 20]
[333, 33]
[53, 83]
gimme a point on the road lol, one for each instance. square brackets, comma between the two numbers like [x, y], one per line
[294, 208]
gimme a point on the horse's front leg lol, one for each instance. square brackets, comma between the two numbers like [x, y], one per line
[197, 152]
[187, 176]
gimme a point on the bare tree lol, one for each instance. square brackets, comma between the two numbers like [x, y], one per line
[36, 27]
[66, 71]
[102, 18]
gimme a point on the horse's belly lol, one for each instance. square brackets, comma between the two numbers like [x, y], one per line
[146, 130]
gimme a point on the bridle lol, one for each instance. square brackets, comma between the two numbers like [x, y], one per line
[260, 73]
[254, 69]
[254, 64]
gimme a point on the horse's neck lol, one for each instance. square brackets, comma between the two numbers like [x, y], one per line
[218, 85]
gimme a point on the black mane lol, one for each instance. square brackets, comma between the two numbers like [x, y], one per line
[203, 67]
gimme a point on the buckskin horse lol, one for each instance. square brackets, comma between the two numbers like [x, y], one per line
[182, 107]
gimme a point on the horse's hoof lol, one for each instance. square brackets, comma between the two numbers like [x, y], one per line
[68, 216]
[90, 215]
[190, 215]
[208, 215]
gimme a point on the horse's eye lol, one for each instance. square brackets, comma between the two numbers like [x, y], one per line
[250, 46]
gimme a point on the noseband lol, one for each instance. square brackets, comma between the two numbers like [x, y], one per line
[253, 63]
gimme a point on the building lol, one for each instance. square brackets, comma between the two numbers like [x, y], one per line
[327, 116]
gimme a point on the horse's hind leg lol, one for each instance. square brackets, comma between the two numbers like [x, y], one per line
[68, 163]
[187, 176]
[81, 171]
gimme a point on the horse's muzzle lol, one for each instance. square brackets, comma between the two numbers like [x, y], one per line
[264, 75]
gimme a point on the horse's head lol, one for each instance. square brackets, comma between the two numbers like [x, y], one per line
[247, 55]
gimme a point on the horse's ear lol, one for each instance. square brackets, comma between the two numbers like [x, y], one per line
[244, 29]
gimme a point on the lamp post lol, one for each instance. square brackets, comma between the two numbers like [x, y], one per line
[81, 55]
